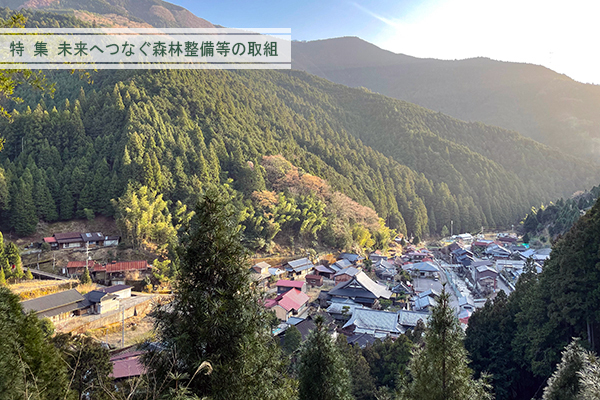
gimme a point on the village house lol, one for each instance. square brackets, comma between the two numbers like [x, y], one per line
[464, 303]
[284, 286]
[76, 268]
[352, 257]
[116, 270]
[111, 240]
[121, 291]
[71, 240]
[68, 240]
[51, 240]
[362, 290]
[92, 239]
[305, 326]
[451, 247]
[424, 303]
[416, 256]
[497, 251]
[485, 278]
[539, 255]
[380, 324]
[127, 365]
[314, 280]
[57, 306]
[385, 270]
[299, 268]
[290, 303]
[409, 319]
[342, 309]
[102, 302]
[325, 272]
[341, 264]
[260, 274]
[425, 269]
[376, 256]
[345, 274]
[361, 340]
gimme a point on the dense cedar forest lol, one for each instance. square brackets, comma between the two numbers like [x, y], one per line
[519, 339]
[178, 132]
[557, 218]
[132, 13]
[530, 99]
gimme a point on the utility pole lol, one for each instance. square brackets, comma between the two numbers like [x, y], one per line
[123, 328]
[53, 262]
[451, 228]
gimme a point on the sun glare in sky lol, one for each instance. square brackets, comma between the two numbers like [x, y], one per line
[562, 36]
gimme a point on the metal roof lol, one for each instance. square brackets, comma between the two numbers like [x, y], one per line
[343, 263]
[115, 288]
[92, 236]
[293, 300]
[261, 265]
[52, 301]
[292, 284]
[361, 286]
[96, 296]
[424, 302]
[351, 257]
[351, 271]
[122, 266]
[410, 318]
[426, 266]
[299, 263]
[366, 319]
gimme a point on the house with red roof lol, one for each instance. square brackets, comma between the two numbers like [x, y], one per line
[127, 365]
[119, 269]
[284, 285]
[288, 304]
[51, 240]
[75, 268]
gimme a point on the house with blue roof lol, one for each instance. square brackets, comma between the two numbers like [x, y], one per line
[299, 268]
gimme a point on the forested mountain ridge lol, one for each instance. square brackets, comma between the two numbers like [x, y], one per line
[178, 131]
[532, 100]
[131, 13]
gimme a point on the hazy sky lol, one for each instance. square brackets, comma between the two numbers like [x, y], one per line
[563, 36]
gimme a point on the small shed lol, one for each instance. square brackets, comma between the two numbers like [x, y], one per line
[314, 280]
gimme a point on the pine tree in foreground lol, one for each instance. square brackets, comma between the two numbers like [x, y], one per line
[564, 384]
[321, 369]
[30, 367]
[216, 317]
[439, 370]
[85, 278]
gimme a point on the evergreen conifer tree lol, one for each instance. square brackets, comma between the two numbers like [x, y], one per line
[30, 367]
[2, 277]
[217, 317]
[321, 370]
[439, 370]
[564, 384]
[85, 277]
[292, 339]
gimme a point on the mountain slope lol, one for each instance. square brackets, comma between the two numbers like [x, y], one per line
[178, 131]
[132, 13]
[535, 101]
